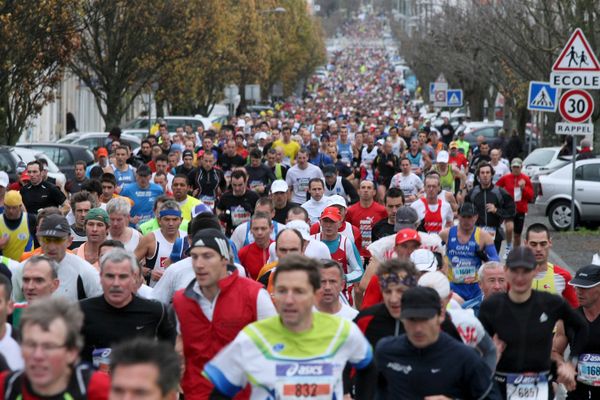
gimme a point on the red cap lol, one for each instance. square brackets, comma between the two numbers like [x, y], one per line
[25, 177]
[407, 235]
[332, 213]
[102, 152]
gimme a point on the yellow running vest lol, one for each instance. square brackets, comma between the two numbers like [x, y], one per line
[19, 239]
[546, 284]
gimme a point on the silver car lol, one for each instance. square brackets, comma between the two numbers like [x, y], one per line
[554, 195]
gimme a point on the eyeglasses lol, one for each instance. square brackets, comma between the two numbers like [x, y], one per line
[52, 240]
[31, 346]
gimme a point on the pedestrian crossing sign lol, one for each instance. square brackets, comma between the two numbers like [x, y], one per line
[454, 98]
[542, 97]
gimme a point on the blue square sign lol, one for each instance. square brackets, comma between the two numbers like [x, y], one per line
[542, 97]
[454, 98]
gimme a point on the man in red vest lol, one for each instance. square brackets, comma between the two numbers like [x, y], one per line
[213, 309]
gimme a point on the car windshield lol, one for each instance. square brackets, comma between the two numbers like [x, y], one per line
[67, 139]
[539, 157]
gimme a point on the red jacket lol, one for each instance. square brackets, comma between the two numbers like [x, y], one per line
[509, 181]
[203, 339]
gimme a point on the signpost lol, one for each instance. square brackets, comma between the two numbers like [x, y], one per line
[576, 68]
[440, 90]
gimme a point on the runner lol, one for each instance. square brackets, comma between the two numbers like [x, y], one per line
[236, 207]
[318, 201]
[467, 246]
[187, 203]
[435, 214]
[208, 182]
[410, 184]
[118, 210]
[143, 194]
[332, 284]
[273, 355]
[299, 175]
[155, 248]
[549, 277]
[213, 308]
[17, 227]
[281, 202]
[242, 235]
[256, 254]
[393, 200]
[81, 203]
[96, 230]
[338, 185]
[522, 323]
[426, 361]
[50, 336]
[118, 314]
[581, 376]
[365, 214]
[492, 279]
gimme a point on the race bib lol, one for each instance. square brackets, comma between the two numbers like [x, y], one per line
[304, 381]
[303, 184]
[209, 201]
[239, 215]
[101, 359]
[463, 271]
[366, 231]
[588, 369]
[490, 229]
[528, 386]
[518, 194]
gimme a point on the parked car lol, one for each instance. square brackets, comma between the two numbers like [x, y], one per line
[554, 196]
[64, 155]
[173, 122]
[543, 161]
[10, 157]
[93, 140]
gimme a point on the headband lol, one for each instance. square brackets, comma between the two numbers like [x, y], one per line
[172, 213]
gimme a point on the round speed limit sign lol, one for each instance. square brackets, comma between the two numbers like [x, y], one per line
[576, 106]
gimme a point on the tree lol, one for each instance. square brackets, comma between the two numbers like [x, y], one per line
[37, 39]
[124, 44]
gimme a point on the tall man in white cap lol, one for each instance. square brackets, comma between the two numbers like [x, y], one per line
[281, 202]
[583, 385]
[78, 278]
[214, 308]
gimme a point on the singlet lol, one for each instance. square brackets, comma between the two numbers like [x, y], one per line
[447, 180]
[588, 366]
[464, 262]
[124, 177]
[345, 151]
[547, 282]
[208, 182]
[367, 158]
[432, 222]
[416, 161]
[20, 239]
[163, 251]
[338, 188]
[285, 365]
[345, 252]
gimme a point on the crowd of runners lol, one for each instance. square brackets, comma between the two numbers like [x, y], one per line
[337, 246]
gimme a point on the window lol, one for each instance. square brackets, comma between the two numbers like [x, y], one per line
[588, 172]
[6, 163]
[485, 132]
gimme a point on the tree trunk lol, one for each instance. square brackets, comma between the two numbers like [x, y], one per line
[475, 100]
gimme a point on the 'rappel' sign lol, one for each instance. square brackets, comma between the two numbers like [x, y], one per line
[576, 105]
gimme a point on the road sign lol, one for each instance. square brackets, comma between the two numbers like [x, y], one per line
[576, 106]
[440, 89]
[454, 98]
[577, 65]
[431, 89]
[542, 97]
[565, 128]
[252, 92]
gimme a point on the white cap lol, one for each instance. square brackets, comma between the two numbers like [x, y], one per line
[260, 135]
[443, 156]
[279, 186]
[337, 200]
[4, 179]
[241, 123]
[300, 226]
[437, 281]
[424, 260]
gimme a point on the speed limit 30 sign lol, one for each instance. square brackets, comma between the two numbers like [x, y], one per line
[576, 106]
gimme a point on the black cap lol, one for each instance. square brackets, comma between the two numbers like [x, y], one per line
[214, 239]
[521, 257]
[54, 226]
[406, 217]
[329, 170]
[187, 153]
[144, 170]
[587, 277]
[467, 210]
[420, 303]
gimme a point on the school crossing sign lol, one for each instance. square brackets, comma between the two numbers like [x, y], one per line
[577, 65]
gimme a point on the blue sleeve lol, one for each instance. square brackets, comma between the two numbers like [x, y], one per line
[355, 267]
[218, 379]
[491, 252]
[235, 252]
